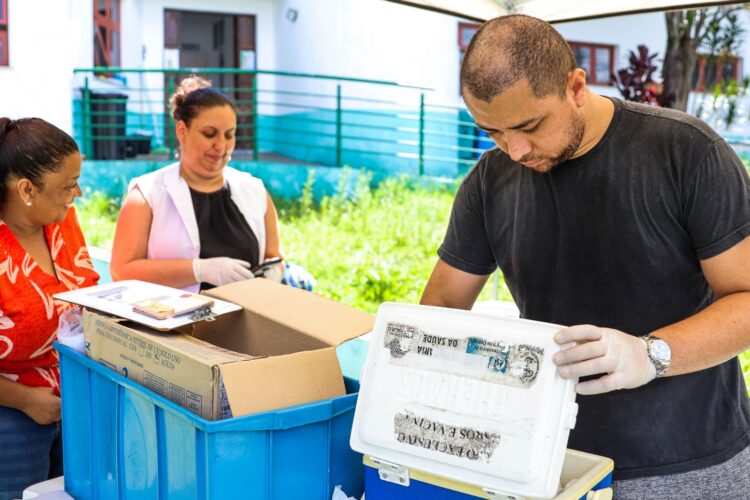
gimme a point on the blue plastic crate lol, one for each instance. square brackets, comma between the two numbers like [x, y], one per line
[122, 440]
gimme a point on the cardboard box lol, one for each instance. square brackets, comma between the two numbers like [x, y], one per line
[278, 351]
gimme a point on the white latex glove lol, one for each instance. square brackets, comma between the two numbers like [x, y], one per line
[621, 358]
[274, 273]
[221, 270]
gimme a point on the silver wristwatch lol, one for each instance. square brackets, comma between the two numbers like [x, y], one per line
[659, 353]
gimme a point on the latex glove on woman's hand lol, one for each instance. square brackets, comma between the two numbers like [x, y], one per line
[274, 272]
[621, 358]
[219, 271]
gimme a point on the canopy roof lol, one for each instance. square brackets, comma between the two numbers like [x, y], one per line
[553, 11]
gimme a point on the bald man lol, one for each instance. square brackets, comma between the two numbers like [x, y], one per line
[629, 223]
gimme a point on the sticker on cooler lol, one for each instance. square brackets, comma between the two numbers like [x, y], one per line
[515, 365]
[456, 440]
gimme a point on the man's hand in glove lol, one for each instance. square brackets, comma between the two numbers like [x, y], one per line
[621, 359]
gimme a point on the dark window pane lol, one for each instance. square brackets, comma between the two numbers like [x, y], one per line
[603, 71]
[171, 29]
[710, 75]
[583, 58]
[99, 58]
[102, 7]
[218, 34]
[727, 71]
[4, 56]
[696, 71]
[115, 49]
[246, 32]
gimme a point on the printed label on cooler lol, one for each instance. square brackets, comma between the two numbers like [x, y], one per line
[514, 365]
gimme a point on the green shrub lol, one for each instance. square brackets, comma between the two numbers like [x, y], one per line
[97, 214]
[745, 362]
[366, 246]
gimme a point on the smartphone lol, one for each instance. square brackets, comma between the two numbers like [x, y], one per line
[261, 268]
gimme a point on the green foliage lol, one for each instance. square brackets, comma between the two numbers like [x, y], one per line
[97, 214]
[366, 246]
[745, 363]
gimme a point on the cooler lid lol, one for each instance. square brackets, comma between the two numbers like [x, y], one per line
[467, 396]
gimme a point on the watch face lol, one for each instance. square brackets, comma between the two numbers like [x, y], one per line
[661, 351]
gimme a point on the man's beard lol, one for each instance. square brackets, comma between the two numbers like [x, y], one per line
[574, 137]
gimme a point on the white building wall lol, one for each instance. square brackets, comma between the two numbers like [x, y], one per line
[370, 39]
[47, 38]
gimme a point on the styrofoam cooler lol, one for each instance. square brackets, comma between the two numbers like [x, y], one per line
[125, 441]
[467, 398]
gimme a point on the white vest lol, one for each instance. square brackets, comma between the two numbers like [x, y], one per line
[174, 229]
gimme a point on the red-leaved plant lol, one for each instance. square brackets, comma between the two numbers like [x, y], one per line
[635, 82]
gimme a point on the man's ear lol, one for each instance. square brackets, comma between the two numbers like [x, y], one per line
[576, 86]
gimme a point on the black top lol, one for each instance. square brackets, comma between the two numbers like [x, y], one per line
[614, 239]
[223, 230]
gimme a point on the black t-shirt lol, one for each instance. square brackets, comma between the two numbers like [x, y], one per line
[614, 239]
[222, 228]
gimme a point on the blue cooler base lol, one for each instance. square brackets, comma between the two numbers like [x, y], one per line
[123, 441]
[377, 489]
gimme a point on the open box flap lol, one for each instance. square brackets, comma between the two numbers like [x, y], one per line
[322, 319]
[279, 381]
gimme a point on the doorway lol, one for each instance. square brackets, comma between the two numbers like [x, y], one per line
[216, 40]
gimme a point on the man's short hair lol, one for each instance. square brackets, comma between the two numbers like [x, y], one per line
[512, 48]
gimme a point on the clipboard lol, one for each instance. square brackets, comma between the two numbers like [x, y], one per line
[156, 306]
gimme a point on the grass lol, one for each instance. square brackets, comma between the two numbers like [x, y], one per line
[364, 246]
[370, 246]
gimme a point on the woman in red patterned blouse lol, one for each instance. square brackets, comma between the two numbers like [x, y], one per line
[42, 252]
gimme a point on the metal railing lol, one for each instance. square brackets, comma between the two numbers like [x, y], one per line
[282, 116]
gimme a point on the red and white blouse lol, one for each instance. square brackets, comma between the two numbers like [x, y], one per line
[28, 313]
